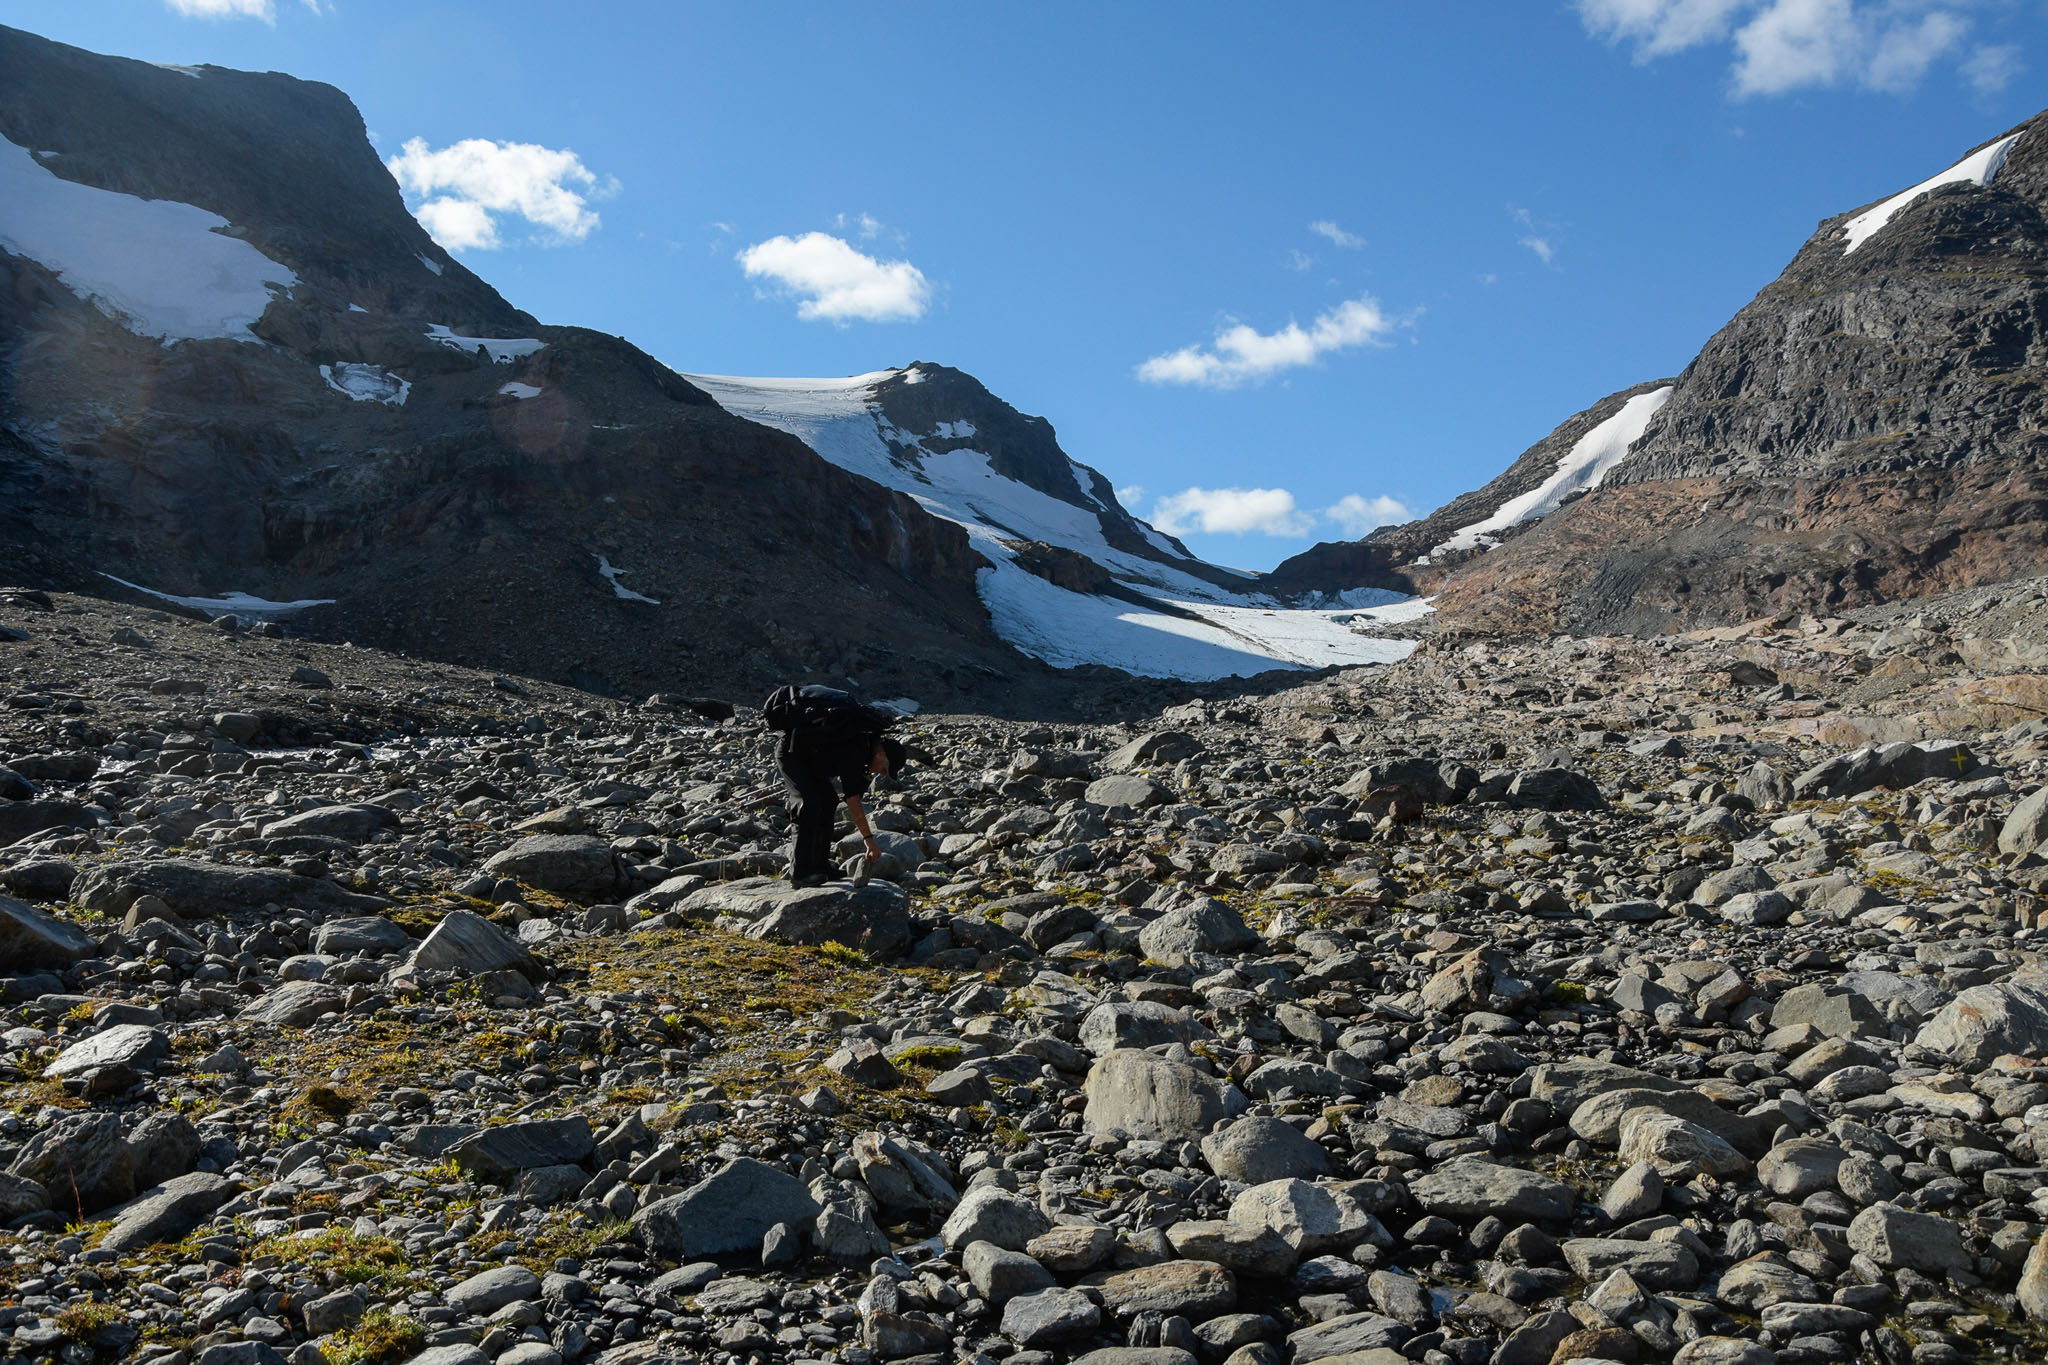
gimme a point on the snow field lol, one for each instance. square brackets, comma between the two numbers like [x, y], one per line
[1978, 168]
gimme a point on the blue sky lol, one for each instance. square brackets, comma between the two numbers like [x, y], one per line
[1314, 257]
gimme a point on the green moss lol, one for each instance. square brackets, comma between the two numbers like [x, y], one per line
[931, 1056]
[381, 1336]
[1568, 992]
[356, 1258]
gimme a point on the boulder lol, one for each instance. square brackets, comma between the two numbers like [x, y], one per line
[1654, 1265]
[1310, 1218]
[1201, 928]
[83, 1160]
[1254, 1150]
[199, 890]
[1678, 1148]
[115, 1057]
[485, 1292]
[906, 1178]
[21, 819]
[992, 1214]
[1555, 789]
[30, 939]
[354, 823]
[1139, 1095]
[1899, 1238]
[1346, 1335]
[729, 1211]
[371, 934]
[1195, 1290]
[874, 919]
[1987, 1022]
[2026, 829]
[497, 1155]
[470, 945]
[1472, 1189]
[168, 1212]
[1134, 790]
[1137, 1024]
[574, 866]
[294, 1004]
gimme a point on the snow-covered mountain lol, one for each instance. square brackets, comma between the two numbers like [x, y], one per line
[1071, 577]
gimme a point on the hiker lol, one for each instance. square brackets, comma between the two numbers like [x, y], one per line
[827, 737]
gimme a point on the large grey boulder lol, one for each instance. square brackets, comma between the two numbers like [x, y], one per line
[1138, 1024]
[372, 934]
[875, 919]
[905, 1177]
[1895, 1238]
[1126, 789]
[115, 1057]
[574, 866]
[294, 1004]
[1469, 1188]
[354, 823]
[1987, 1022]
[200, 890]
[1312, 1220]
[30, 939]
[1654, 1265]
[1347, 1335]
[485, 1292]
[83, 1160]
[2026, 829]
[1139, 1095]
[1256, 1149]
[499, 1154]
[1555, 789]
[21, 819]
[471, 945]
[728, 1211]
[1564, 1086]
[1201, 928]
[168, 1212]
[992, 1214]
[1153, 749]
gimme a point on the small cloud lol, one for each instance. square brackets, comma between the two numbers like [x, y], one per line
[470, 184]
[1356, 516]
[1323, 227]
[1539, 238]
[1240, 353]
[837, 283]
[868, 226]
[1129, 495]
[1489, 278]
[266, 10]
[1991, 68]
[1231, 511]
[1300, 260]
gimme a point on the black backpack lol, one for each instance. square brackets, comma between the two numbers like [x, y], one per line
[814, 716]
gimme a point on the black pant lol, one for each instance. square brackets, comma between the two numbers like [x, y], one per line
[814, 802]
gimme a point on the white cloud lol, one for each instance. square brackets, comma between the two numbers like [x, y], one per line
[1269, 511]
[1299, 260]
[1539, 238]
[868, 226]
[265, 10]
[1231, 511]
[837, 283]
[1130, 494]
[473, 181]
[1325, 228]
[1992, 67]
[1357, 515]
[1786, 45]
[1241, 353]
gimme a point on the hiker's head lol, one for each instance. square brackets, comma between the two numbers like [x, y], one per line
[889, 757]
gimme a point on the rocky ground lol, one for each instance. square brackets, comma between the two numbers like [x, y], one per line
[1530, 1001]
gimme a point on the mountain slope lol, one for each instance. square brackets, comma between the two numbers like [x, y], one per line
[1070, 577]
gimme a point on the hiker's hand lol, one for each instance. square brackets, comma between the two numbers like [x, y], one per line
[874, 849]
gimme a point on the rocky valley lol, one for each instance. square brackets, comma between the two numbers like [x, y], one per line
[1578, 999]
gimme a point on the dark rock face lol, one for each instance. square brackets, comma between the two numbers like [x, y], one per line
[1867, 429]
[465, 523]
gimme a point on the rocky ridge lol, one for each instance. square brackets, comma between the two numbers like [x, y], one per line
[1526, 1001]
[1868, 429]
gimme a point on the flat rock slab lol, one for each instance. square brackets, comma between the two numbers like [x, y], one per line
[727, 1212]
[199, 890]
[499, 1154]
[1195, 1290]
[1347, 1335]
[1654, 1265]
[30, 939]
[874, 919]
[1474, 1189]
[471, 945]
[124, 1047]
[353, 823]
[577, 866]
[21, 819]
[372, 934]
[168, 1212]
[295, 1004]
[487, 1291]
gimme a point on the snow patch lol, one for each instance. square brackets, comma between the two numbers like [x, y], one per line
[519, 390]
[1979, 168]
[427, 261]
[357, 308]
[610, 574]
[366, 383]
[500, 349]
[233, 603]
[191, 71]
[1224, 633]
[1582, 467]
[164, 268]
[902, 706]
[955, 431]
